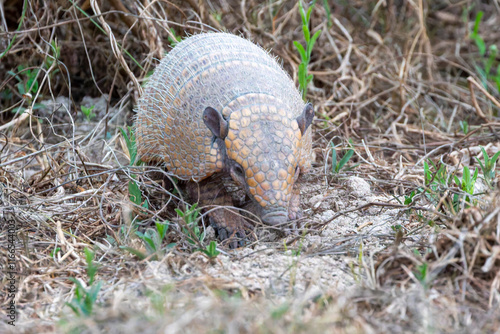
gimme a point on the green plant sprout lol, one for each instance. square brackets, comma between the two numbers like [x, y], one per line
[298, 251]
[56, 54]
[305, 53]
[211, 250]
[129, 137]
[135, 194]
[396, 227]
[489, 62]
[175, 39]
[191, 229]
[488, 167]
[134, 191]
[467, 185]
[464, 126]
[217, 16]
[409, 198]
[54, 252]
[357, 275]
[152, 239]
[280, 311]
[474, 35]
[328, 13]
[88, 112]
[436, 181]
[421, 274]
[337, 166]
[27, 83]
[85, 298]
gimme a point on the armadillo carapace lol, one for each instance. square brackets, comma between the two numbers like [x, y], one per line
[218, 103]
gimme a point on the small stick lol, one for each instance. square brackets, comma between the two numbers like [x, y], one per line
[17, 121]
[484, 91]
[474, 101]
[481, 88]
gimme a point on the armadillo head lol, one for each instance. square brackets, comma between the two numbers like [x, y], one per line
[263, 146]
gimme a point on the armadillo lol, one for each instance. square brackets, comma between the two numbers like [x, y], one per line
[218, 103]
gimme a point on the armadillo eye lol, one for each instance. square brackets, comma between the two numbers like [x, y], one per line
[297, 173]
[237, 173]
[238, 169]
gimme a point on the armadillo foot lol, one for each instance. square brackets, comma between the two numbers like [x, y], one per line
[231, 236]
[230, 227]
[294, 211]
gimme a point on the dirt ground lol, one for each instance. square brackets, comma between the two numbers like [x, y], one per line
[404, 238]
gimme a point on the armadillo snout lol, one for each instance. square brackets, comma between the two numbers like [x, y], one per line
[275, 218]
[272, 196]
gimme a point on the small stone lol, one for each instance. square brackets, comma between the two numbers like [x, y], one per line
[316, 201]
[263, 274]
[325, 215]
[210, 233]
[358, 186]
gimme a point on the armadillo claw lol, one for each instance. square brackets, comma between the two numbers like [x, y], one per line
[294, 225]
[295, 213]
[230, 235]
[294, 210]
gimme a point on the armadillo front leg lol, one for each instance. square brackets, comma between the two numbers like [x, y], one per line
[294, 210]
[229, 225]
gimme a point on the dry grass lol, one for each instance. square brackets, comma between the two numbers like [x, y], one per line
[392, 80]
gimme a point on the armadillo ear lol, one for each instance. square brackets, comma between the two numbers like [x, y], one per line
[215, 122]
[306, 118]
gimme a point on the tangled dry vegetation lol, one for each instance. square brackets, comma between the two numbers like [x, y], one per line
[402, 83]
